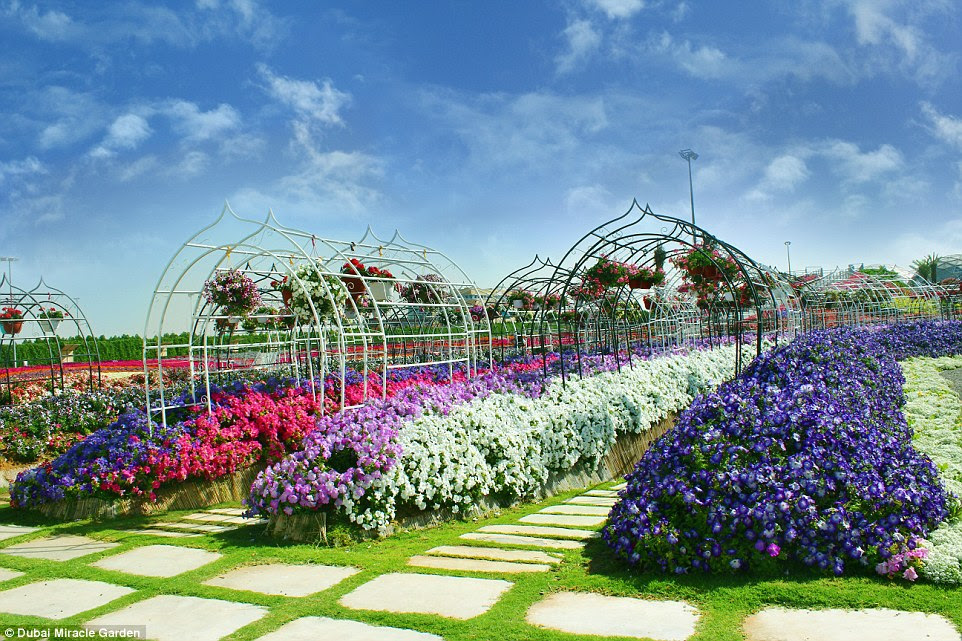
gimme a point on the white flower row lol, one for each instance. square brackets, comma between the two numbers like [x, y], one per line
[507, 445]
[934, 411]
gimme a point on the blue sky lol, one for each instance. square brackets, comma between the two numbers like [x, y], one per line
[490, 130]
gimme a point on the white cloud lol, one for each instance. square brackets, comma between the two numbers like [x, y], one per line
[126, 132]
[192, 164]
[582, 40]
[137, 168]
[622, 9]
[47, 25]
[786, 172]
[858, 167]
[697, 61]
[319, 103]
[948, 129]
[18, 168]
[194, 124]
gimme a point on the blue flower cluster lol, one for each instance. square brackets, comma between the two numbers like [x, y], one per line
[805, 456]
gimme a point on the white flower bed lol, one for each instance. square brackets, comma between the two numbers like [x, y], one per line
[507, 445]
[934, 411]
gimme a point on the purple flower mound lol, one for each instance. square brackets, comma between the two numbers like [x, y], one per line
[805, 456]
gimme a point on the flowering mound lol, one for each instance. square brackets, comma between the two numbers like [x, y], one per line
[501, 435]
[805, 456]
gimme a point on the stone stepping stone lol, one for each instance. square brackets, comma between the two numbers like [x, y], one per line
[314, 628]
[60, 547]
[220, 518]
[592, 500]
[10, 531]
[778, 624]
[620, 486]
[497, 554]
[165, 533]
[283, 579]
[229, 511]
[529, 541]
[59, 598]
[581, 510]
[206, 528]
[174, 618]
[540, 530]
[157, 560]
[588, 613]
[564, 519]
[448, 596]
[475, 565]
[605, 493]
[6, 575]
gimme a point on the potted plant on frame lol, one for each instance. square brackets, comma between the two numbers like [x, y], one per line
[49, 319]
[645, 277]
[233, 293]
[12, 320]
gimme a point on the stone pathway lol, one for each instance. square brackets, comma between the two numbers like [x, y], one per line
[534, 543]
[212, 521]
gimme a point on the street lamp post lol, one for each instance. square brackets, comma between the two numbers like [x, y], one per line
[9, 260]
[788, 254]
[690, 155]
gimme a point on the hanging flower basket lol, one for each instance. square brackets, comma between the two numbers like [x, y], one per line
[382, 291]
[12, 320]
[326, 292]
[12, 327]
[49, 325]
[521, 299]
[233, 292]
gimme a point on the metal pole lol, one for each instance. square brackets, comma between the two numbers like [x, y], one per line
[690, 155]
[788, 254]
[10, 260]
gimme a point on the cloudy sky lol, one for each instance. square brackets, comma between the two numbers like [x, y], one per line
[490, 130]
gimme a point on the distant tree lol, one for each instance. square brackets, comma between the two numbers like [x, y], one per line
[926, 267]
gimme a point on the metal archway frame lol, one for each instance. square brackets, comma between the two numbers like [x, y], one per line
[355, 322]
[34, 303]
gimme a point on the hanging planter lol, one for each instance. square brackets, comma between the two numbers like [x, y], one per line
[521, 299]
[645, 278]
[233, 292]
[11, 319]
[382, 291]
[49, 319]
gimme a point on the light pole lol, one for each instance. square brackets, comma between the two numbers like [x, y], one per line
[9, 260]
[788, 254]
[690, 155]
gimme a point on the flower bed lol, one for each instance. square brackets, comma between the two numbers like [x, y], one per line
[804, 457]
[934, 412]
[499, 435]
[249, 423]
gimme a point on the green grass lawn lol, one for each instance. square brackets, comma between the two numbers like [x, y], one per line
[723, 601]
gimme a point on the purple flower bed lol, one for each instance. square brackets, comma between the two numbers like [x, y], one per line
[805, 456]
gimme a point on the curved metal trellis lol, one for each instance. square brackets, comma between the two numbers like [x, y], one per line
[323, 319]
[626, 315]
[38, 305]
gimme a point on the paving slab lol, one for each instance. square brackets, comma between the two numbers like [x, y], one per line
[540, 530]
[475, 565]
[283, 579]
[497, 554]
[314, 628]
[229, 511]
[6, 575]
[592, 500]
[564, 519]
[448, 596]
[61, 547]
[582, 510]
[59, 598]
[605, 493]
[783, 624]
[10, 531]
[165, 533]
[529, 541]
[588, 613]
[207, 528]
[175, 618]
[204, 517]
[158, 560]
